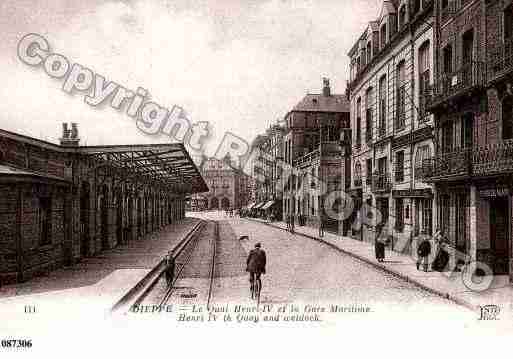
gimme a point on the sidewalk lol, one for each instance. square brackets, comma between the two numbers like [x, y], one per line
[110, 273]
[451, 287]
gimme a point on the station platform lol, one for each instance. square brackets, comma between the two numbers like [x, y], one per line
[102, 278]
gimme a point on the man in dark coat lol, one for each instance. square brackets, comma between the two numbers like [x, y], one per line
[170, 268]
[255, 264]
[423, 252]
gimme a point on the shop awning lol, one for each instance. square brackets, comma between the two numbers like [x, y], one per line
[259, 205]
[267, 205]
[250, 205]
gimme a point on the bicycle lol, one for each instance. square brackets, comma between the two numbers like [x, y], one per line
[256, 288]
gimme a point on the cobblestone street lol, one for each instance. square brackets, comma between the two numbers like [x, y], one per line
[305, 272]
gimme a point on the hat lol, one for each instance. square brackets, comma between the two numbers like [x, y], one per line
[258, 245]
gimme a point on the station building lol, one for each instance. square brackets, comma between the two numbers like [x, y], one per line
[62, 203]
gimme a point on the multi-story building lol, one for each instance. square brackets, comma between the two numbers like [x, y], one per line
[312, 149]
[391, 69]
[472, 100]
[61, 203]
[228, 186]
[267, 170]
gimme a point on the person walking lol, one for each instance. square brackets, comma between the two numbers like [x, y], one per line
[321, 226]
[292, 224]
[169, 261]
[423, 252]
[379, 245]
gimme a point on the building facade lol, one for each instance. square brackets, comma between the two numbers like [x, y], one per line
[312, 149]
[472, 104]
[228, 186]
[267, 171]
[391, 70]
[61, 203]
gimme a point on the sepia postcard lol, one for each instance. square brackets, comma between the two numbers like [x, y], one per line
[296, 178]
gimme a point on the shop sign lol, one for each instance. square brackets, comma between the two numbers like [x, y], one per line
[495, 192]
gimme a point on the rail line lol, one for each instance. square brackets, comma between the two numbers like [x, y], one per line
[187, 261]
[140, 291]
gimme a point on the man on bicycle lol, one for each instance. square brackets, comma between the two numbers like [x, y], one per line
[255, 264]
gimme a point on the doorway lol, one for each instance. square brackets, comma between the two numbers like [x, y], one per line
[84, 219]
[499, 234]
[104, 217]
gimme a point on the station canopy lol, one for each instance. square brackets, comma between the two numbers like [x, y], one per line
[166, 165]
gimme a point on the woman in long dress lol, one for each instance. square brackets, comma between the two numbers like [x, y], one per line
[379, 245]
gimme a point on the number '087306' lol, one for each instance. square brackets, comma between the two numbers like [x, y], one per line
[16, 343]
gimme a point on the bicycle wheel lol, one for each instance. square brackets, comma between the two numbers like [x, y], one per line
[258, 289]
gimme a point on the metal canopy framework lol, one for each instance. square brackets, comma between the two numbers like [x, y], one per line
[168, 165]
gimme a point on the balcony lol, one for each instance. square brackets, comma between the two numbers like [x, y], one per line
[501, 61]
[358, 182]
[381, 182]
[451, 86]
[306, 159]
[493, 159]
[456, 164]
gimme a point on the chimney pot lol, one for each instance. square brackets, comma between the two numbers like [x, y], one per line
[326, 91]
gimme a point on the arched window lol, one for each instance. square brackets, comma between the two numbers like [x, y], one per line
[507, 118]
[357, 174]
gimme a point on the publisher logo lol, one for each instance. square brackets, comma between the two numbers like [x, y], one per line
[490, 312]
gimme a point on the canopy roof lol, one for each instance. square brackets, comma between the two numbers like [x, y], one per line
[167, 164]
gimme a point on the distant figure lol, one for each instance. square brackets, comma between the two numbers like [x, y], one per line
[292, 224]
[321, 226]
[379, 245]
[170, 268]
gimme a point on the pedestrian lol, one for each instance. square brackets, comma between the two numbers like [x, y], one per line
[321, 226]
[379, 245]
[170, 268]
[423, 252]
[292, 224]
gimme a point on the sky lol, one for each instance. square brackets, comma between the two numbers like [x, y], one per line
[240, 65]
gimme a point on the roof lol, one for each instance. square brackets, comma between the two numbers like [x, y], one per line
[168, 164]
[321, 103]
[11, 173]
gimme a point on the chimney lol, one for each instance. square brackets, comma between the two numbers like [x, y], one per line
[326, 91]
[69, 137]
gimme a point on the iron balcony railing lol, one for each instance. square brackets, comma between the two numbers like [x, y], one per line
[501, 60]
[306, 159]
[381, 182]
[358, 182]
[449, 164]
[493, 159]
[450, 85]
[490, 160]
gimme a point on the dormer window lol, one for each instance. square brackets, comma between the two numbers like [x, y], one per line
[416, 6]
[508, 23]
[383, 35]
[402, 16]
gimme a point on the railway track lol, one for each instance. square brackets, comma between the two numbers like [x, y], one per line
[193, 283]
